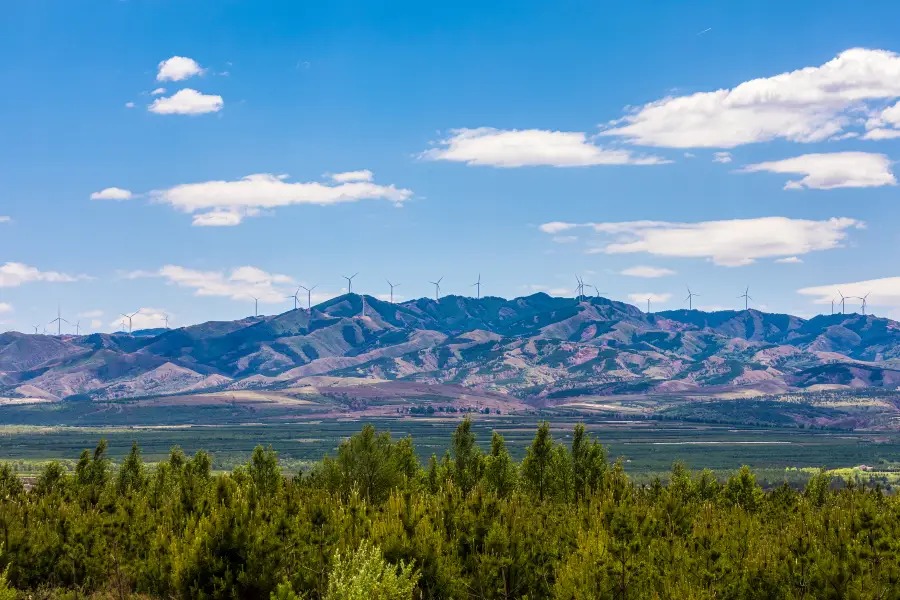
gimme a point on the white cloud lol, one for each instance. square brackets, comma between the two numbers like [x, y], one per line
[807, 105]
[112, 193]
[364, 175]
[5, 219]
[96, 324]
[242, 283]
[187, 102]
[641, 298]
[90, 314]
[178, 68]
[486, 146]
[648, 272]
[557, 227]
[129, 105]
[223, 203]
[884, 125]
[689, 155]
[722, 157]
[565, 239]
[790, 260]
[5, 307]
[730, 243]
[13, 274]
[882, 292]
[158, 91]
[833, 170]
[146, 318]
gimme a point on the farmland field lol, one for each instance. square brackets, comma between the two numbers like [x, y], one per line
[646, 447]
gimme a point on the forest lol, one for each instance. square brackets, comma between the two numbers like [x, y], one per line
[372, 522]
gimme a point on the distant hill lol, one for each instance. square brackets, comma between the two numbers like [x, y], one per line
[540, 348]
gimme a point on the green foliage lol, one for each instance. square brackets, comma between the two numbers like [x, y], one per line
[364, 574]
[371, 524]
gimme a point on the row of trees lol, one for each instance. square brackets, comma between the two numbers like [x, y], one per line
[371, 522]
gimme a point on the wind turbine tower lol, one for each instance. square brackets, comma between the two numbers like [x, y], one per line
[477, 286]
[255, 309]
[690, 298]
[747, 298]
[864, 301]
[59, 321]
[843, 301]
[309, 295]
[393, 285]
[77, 328]
[35, 329]
[350, 282]
[129, 317]
[437, 289]
[648, 306]
[579, 289]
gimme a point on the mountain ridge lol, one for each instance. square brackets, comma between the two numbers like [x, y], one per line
[537, 347]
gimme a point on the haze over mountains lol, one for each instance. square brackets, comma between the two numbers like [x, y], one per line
[539, 348]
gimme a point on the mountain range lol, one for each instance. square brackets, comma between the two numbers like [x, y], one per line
[539, 348]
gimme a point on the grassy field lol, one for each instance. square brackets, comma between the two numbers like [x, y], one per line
[647, 447]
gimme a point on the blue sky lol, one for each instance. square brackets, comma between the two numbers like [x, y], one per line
[422, 140]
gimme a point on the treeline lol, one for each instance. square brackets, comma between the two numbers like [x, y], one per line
[371, 522]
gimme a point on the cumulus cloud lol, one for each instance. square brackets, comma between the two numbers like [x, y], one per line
[187, 102]
[722, 157]
[647, 272]
[14, 274]
[364, 175]
[807, 105]
[178, 68]
[226, 203]
[146, 318]
[112, 193]
[642, 297]
[729, 243]
[882, 292]
[242, 283]
[884, 125]
[5, 307]
[832, 170]
[790, 260]
[486, 146]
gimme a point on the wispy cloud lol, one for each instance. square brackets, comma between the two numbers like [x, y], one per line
[729, 243]
[882, 292]
[722, 157]
[226, 203]
[647, 272]
[486, 146]
[187, 102]
[112, 193]
[833, 170]
[241, 283]
[14, 274]
[640, 298]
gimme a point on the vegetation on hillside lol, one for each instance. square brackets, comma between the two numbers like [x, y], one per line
[371, 522]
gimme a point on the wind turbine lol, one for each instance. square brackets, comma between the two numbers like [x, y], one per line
[393, 285]
[59, 321]
[843, 300]
[294, 296]
[166, 319]
[437, 289]
[832, 306]
[77, 328]
[350, 282]
[579, 289]
[864, 300]
[35, 329]
[129, 318]
[690, 298]
[596, 291]
[309, 295]
[477, 286]
[648, 305]
[746, 297]
[255, 309]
